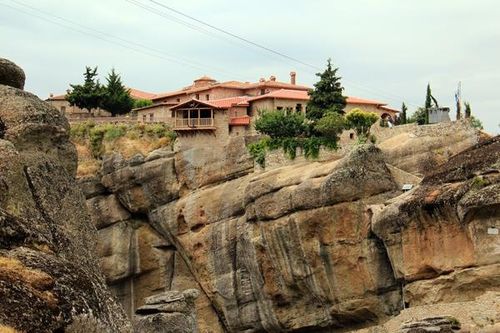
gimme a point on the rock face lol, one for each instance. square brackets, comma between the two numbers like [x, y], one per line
[311, 247]
[168, 312]
[432, 325]
[442, 238]
[48, 269]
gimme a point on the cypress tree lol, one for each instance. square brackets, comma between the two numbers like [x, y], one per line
[404, 109]
[326, 95]
[117, 98]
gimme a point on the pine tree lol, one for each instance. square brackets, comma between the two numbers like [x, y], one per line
[89, 95]
[403, 118]
[428, 97]
[117, 98]
[326, 95]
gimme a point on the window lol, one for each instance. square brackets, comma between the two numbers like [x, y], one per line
[178, 100]
[207, 96]
[289, 110]
[262, 91]
[143, 118]
[298, 107]
[198, 96]
[351, 136]
[279, 108]
[151, 116]
[63, 109]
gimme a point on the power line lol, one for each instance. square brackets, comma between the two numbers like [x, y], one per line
[234, 35]
[281, 54]
[134, 46]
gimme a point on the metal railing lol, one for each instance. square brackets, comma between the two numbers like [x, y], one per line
[193, 122]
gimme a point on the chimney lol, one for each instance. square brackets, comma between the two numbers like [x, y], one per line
[51, 95]
[262, 79]
[272, 78]
[293, 76]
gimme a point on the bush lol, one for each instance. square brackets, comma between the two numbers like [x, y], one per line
[140, 103]
[113, 132]
[277, 124]
[361, 121]
[96, 136]
[330, 125]
[80, 131]
[157, 130]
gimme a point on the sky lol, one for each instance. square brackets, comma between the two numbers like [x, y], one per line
[386, 50]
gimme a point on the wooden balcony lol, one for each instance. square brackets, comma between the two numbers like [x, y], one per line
[189, 124]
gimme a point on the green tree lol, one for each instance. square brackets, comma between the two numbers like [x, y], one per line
[361, 121]
[419, 117]
[117, 98]
[326, 95]
[428, 97]
[404, 109]
[331, 125]
[467, 110]
[89, 95]
[140, 103]
[277, 124]
[476, 123]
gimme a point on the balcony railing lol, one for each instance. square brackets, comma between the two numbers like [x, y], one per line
[193, 123]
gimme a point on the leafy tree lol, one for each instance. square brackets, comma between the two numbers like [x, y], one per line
[361, 121]
[403, 117]
[419, 117]
[277, 124]
[330, 125]
[89, 95]
[140, 103]
[117, 98]
[467, 110]
[476, 123]
[326, 95]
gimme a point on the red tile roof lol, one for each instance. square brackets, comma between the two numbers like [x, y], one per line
[139, 94]
[233, 85]
[226, 103]
[134, 93]
[356, 100]
[243, 120]
[301, 95]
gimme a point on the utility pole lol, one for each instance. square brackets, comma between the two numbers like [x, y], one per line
[458, 100]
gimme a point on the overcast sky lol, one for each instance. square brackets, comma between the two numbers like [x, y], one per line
[387, 49]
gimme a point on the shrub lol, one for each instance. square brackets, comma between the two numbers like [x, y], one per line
[258, 151]
[113, 132]
[330, 125]
[140, 103]
[96, 136]
[157, 130]
[361, 121]
[80, 131]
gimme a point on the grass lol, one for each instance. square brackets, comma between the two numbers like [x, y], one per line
[94, 141]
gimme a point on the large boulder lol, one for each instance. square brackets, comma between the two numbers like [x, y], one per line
[48, 266]
[11, 74]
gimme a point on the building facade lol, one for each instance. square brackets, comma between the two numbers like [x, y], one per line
[74, 112]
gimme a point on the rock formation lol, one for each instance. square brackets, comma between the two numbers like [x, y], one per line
[48, 270]
[310, 247]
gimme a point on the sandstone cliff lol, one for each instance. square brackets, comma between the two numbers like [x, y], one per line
[49, 275]
[309, 247]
